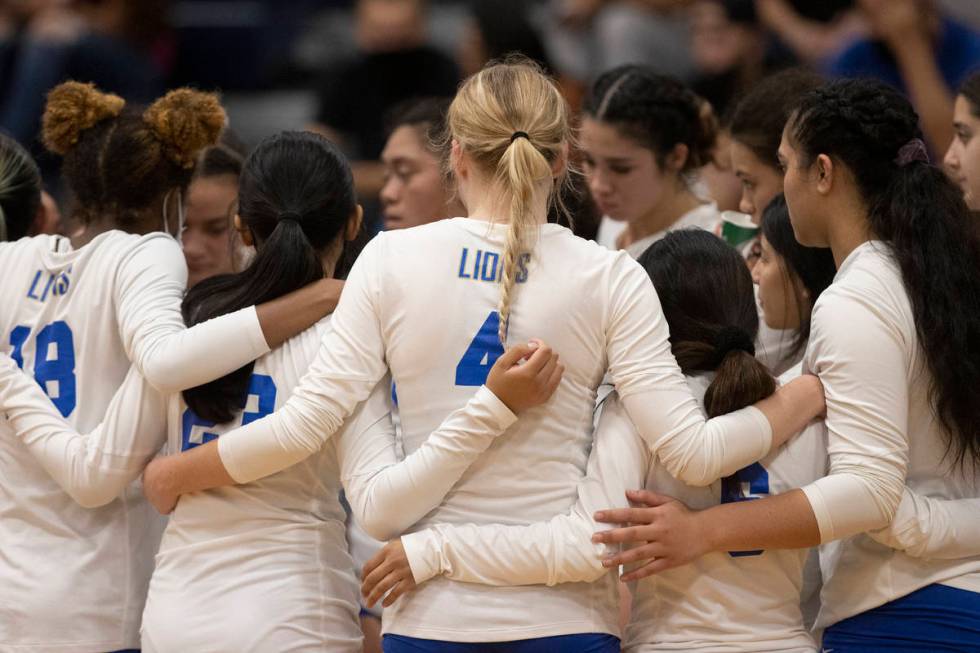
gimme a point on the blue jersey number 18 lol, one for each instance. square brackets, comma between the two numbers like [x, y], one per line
[54, 362]
[474, 367]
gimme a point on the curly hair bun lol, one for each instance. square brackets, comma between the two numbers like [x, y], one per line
[186, 122]
[72, 108]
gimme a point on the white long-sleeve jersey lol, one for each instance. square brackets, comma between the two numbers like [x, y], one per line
[74, 579]
[421, 302]
[882, 435]
[262, 566]
[722, 602]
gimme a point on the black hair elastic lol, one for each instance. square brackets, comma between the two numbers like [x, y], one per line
[516, 135]
[290, 215]
[732, 339]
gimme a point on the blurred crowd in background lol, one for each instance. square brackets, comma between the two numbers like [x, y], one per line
[347, 67]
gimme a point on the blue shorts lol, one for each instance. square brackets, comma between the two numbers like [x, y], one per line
[586, 643]
[936, 618]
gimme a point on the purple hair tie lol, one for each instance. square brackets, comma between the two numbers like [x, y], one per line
[914, 150]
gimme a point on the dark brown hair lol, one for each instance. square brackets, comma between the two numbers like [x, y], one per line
[708, 300]
[120, 161]
[970, 89]
[760, 116]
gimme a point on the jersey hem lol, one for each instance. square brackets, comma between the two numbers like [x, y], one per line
[503, 634]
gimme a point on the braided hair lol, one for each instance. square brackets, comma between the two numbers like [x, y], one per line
[915, 208]
[656, 111]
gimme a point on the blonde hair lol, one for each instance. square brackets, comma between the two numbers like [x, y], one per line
[512, 121]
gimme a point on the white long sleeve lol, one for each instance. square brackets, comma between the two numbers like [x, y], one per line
[150, 284]
[95, 468]
[859, 353]
[348, 366]
[559, 550]
[926, 527]
[658, 400]
[387, 495]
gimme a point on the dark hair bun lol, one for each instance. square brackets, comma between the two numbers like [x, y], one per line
[186, 121]
[72, 108]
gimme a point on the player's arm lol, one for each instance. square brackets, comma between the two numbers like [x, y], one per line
[926, 527]
[150, 287]
[387, 495]
[659, 401]
[95, 468]
[862, 363]
[348, 365]
[559, 550]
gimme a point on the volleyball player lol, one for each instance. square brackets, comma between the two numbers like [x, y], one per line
[739, 602]
[434, 305]
[963, 156]
[79, 312]
[643, 136]
[889, 341]
[756, 129]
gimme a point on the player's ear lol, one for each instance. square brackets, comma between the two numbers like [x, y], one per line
[354, 223]
[244, 232]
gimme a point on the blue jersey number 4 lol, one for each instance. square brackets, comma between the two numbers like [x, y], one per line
[484, 350]
[54, 362]
[746, 484]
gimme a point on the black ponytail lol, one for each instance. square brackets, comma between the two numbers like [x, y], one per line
[708, 300]
[921, 214]
[296, 195]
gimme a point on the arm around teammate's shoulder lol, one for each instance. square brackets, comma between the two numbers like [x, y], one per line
[661, 405]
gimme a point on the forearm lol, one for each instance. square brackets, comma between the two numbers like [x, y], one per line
[388, 496]
[93, 469]
[927, 89]
[195, 470]
[925, 527]
[552, 552]
[784, 521]
[287, 316]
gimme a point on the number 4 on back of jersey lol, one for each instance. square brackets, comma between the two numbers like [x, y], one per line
[484, 350]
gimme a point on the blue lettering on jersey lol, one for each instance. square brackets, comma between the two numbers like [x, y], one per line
[747, 484]
[54, 362]
[486, 266]
[44, 285]
[260, 401]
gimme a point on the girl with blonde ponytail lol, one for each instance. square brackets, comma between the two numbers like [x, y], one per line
[433, 305]
[79, 312]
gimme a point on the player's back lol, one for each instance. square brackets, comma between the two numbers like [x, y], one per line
[438, 291]
[73, 578]
[261, 566]
[737, 602]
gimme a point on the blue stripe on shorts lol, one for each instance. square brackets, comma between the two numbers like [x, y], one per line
[936, 618]
[584, 643]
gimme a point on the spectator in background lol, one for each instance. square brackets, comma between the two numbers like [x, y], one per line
[916, 49]
[498, 28]
[731, 50]
[813, 31]
[617, 32]
[211, 246]
[113, 43]
[963, 156]
[416, 190]
[394, 63]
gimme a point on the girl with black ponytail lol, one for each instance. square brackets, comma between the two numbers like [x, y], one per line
[894, 342]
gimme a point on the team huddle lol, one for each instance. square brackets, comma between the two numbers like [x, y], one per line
[656, 442]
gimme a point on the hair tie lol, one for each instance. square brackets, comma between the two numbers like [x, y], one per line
[519, 134]
[291, 216]
[731, 339]
[914, 150]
